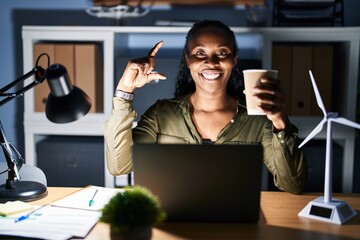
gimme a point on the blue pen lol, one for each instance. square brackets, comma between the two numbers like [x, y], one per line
[91, 202]
[28, 215]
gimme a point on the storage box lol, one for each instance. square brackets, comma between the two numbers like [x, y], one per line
[42, 90]
[84, 65]
[293, 63]
[72, 161]
[89, 72]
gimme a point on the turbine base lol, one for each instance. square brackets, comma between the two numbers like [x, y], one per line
[336, 211]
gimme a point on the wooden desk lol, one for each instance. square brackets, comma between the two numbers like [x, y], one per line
[279, 220]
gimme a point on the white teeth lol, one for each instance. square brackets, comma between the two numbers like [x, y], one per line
[211, 75]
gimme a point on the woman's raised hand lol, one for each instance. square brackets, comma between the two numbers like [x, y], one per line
[139, 71]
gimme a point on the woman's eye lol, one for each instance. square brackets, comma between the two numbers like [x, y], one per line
[200, 53]
[222, 54]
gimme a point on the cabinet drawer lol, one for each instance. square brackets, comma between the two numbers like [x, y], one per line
[72, 161]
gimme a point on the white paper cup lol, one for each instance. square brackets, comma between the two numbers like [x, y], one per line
[251, 79]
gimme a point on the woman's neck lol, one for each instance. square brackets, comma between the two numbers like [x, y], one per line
[211, 113]
[211, 102]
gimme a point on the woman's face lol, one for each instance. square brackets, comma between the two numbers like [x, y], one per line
[211, 59]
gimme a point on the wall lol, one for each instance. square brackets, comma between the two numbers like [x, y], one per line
[15, 13]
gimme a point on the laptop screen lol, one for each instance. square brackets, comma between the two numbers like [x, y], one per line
[202, 183]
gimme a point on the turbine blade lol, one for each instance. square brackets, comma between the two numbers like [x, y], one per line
[316, 130]
[317, 94]
[346, 122]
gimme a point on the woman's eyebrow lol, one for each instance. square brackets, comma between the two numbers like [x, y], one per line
[204, 46]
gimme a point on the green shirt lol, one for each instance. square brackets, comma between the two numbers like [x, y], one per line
[169, 121]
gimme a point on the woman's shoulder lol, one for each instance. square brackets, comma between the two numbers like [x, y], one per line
[162, 106]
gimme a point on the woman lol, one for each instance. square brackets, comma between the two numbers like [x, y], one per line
[207, 108]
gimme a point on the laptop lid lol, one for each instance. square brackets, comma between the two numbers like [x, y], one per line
[202, 183]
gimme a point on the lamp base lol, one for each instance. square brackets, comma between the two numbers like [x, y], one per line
[336, 211]
[23, 191]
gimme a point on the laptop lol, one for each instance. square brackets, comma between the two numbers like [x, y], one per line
[202, 183]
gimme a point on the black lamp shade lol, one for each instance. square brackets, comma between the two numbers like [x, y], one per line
[65, 103]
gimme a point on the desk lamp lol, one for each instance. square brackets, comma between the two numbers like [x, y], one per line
[326, 208]
[65, 103]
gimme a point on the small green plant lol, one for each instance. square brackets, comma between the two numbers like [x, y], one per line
[133, 208]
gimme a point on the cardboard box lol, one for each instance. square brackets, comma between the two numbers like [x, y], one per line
[282, 61]
[294, 63]
[89, 73]
[301, 85]
[83, 63]
[65, 55]
[42, 91]
[322, 69]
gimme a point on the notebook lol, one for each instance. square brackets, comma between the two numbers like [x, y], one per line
[202, 183]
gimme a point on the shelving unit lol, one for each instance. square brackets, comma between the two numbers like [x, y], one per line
[348, 40]
[35, 123]
[122, 43]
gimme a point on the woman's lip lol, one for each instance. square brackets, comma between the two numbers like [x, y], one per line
[210, 74]
[209, 71]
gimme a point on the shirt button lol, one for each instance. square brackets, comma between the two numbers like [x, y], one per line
[232, 121]
[282, 141]
[279, 135]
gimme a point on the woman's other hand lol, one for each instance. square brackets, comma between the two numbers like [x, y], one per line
[271, 100]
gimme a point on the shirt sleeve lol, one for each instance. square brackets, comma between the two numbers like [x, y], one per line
[118, 137]
[284, 159]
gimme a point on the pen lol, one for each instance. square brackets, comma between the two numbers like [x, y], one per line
[23, 217]
[91, 202]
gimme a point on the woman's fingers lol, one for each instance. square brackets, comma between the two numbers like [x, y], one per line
[155, 76]
[155, 49]
[140, 70]
[270, 95]
[151, 56]
[146, 65]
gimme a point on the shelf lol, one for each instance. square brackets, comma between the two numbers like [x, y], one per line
[177, 2]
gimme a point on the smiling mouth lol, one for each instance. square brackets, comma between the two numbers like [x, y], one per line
[210, 75]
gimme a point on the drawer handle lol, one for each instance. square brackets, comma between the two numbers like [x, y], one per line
[71, 163]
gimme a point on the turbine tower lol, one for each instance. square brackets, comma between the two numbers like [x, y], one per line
[326, 208]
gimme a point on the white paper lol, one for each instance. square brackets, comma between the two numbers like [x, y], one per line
[51, 223]
[81, 198]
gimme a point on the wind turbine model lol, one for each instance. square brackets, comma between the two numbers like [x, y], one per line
[326, 208]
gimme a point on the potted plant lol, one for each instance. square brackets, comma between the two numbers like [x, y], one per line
[132, 213]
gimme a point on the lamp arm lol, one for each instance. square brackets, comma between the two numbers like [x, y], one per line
[15, 161]
[39, 73]
[13, 170]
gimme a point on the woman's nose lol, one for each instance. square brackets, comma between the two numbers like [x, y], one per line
[212, 60]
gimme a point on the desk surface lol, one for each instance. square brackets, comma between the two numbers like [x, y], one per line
[278, 220]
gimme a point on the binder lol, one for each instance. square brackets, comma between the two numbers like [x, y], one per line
[88, 73]
[41, 91]
[322, 68]
[301, 85]
[84, 65]
[282, 61]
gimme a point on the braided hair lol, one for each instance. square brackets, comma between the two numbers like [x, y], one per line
[184, 82]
